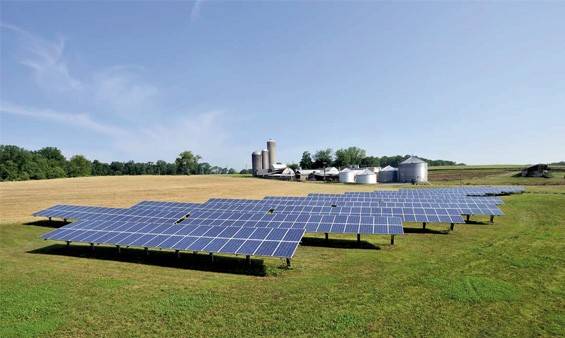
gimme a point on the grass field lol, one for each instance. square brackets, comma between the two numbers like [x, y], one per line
[502, 279]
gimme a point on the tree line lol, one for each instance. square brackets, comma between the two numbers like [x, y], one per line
[18, 164]
[356, 156]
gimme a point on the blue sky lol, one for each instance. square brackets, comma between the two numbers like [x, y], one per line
[476, 82]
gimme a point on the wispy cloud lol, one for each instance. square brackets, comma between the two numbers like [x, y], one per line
[45, 59]
[81, 120]
[195, 10]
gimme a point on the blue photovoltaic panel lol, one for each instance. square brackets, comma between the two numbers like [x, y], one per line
[311, 223]
[255, 241]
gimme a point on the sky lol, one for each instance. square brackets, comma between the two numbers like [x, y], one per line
[472, 82]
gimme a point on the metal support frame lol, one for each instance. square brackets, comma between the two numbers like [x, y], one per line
[146, 251]
[68, 244]
[491, 219]
[391, 239]
[49, 219]
[247, 260]
[92, 247]
[288, 263]
[177, 254]
[211, 257]
[424, 225]
[119, 249]
[452, 226]
[326, 235]
[65, 220]
[468, 218]
[358, 238]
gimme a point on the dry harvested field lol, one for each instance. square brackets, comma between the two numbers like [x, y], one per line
[21, 199]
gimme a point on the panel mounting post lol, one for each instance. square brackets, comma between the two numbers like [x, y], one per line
[119, 249]
[211, 257]
[49, 219]
[424, 225]
[452, 226]
[146, 251]
[177, 253]
[195, 253]
[247, 260]
[68, 244]
[468, 218]
[288, 263]
[391, 239]
[65, 220]
[358, 238]
[491, 219]
[92, 247]
[326, 235]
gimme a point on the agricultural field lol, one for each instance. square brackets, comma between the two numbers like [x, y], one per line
[501, 279]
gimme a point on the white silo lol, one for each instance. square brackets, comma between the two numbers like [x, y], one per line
[272, 148]
[366, 177]
[265, 159]
[347, 176]
[256, 162]
[388, 174]
[413, 169]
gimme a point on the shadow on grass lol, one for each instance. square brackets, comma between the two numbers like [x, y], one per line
[47, 223]
[202, 262]
[426, 231]
[338, 243]
[478, 222]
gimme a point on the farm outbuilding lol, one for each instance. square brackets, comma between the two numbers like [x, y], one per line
[388, 174]
[413, 170]
[536, 170]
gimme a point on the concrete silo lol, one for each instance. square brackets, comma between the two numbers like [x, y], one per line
[272, 148]
[388, 174]
[413, 169]
[265, 159]
[256, 163]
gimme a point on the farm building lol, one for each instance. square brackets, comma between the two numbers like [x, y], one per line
[536, 170]
[413, 170]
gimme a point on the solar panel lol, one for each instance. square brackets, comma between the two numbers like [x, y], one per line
[341, 224]
[252, 241]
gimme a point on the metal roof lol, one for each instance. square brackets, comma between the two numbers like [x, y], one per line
[389, 168]
[412, 159]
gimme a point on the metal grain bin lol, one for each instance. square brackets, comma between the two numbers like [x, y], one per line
[347, 176]
[388, 174]
[366, 177]
[413, 170]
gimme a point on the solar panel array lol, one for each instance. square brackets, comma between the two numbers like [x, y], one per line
[273, 226]
[255, 241]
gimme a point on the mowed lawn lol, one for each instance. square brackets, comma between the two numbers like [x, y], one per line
[502, 279]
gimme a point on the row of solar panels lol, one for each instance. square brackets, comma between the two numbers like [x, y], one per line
[162, 224]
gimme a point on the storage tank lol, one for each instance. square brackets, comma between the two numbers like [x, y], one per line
[265, 159]
[413, 169]
[366, 177]
[388, 174]
[347, 176]
[272, 148]
[256, 162]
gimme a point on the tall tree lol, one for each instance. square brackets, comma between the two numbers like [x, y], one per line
[349, 156]
[323, 158]
[79, 166]
[187, 163]
[306, 161]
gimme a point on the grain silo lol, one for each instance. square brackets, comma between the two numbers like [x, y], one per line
[272, 148]
[347, 176]
[256, 162]
[366, 177]
[265, 159]
[413, 170]
[388, 174]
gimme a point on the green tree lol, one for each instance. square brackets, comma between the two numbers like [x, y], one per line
[349, 156]
[323, 158]
[79, 166]
[306, 161]
[371, 161]
[187, 163]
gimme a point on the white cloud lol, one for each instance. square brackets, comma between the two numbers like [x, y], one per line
[45, 59]
[79, 120]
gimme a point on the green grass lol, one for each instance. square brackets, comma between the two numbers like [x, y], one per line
[505, 279]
